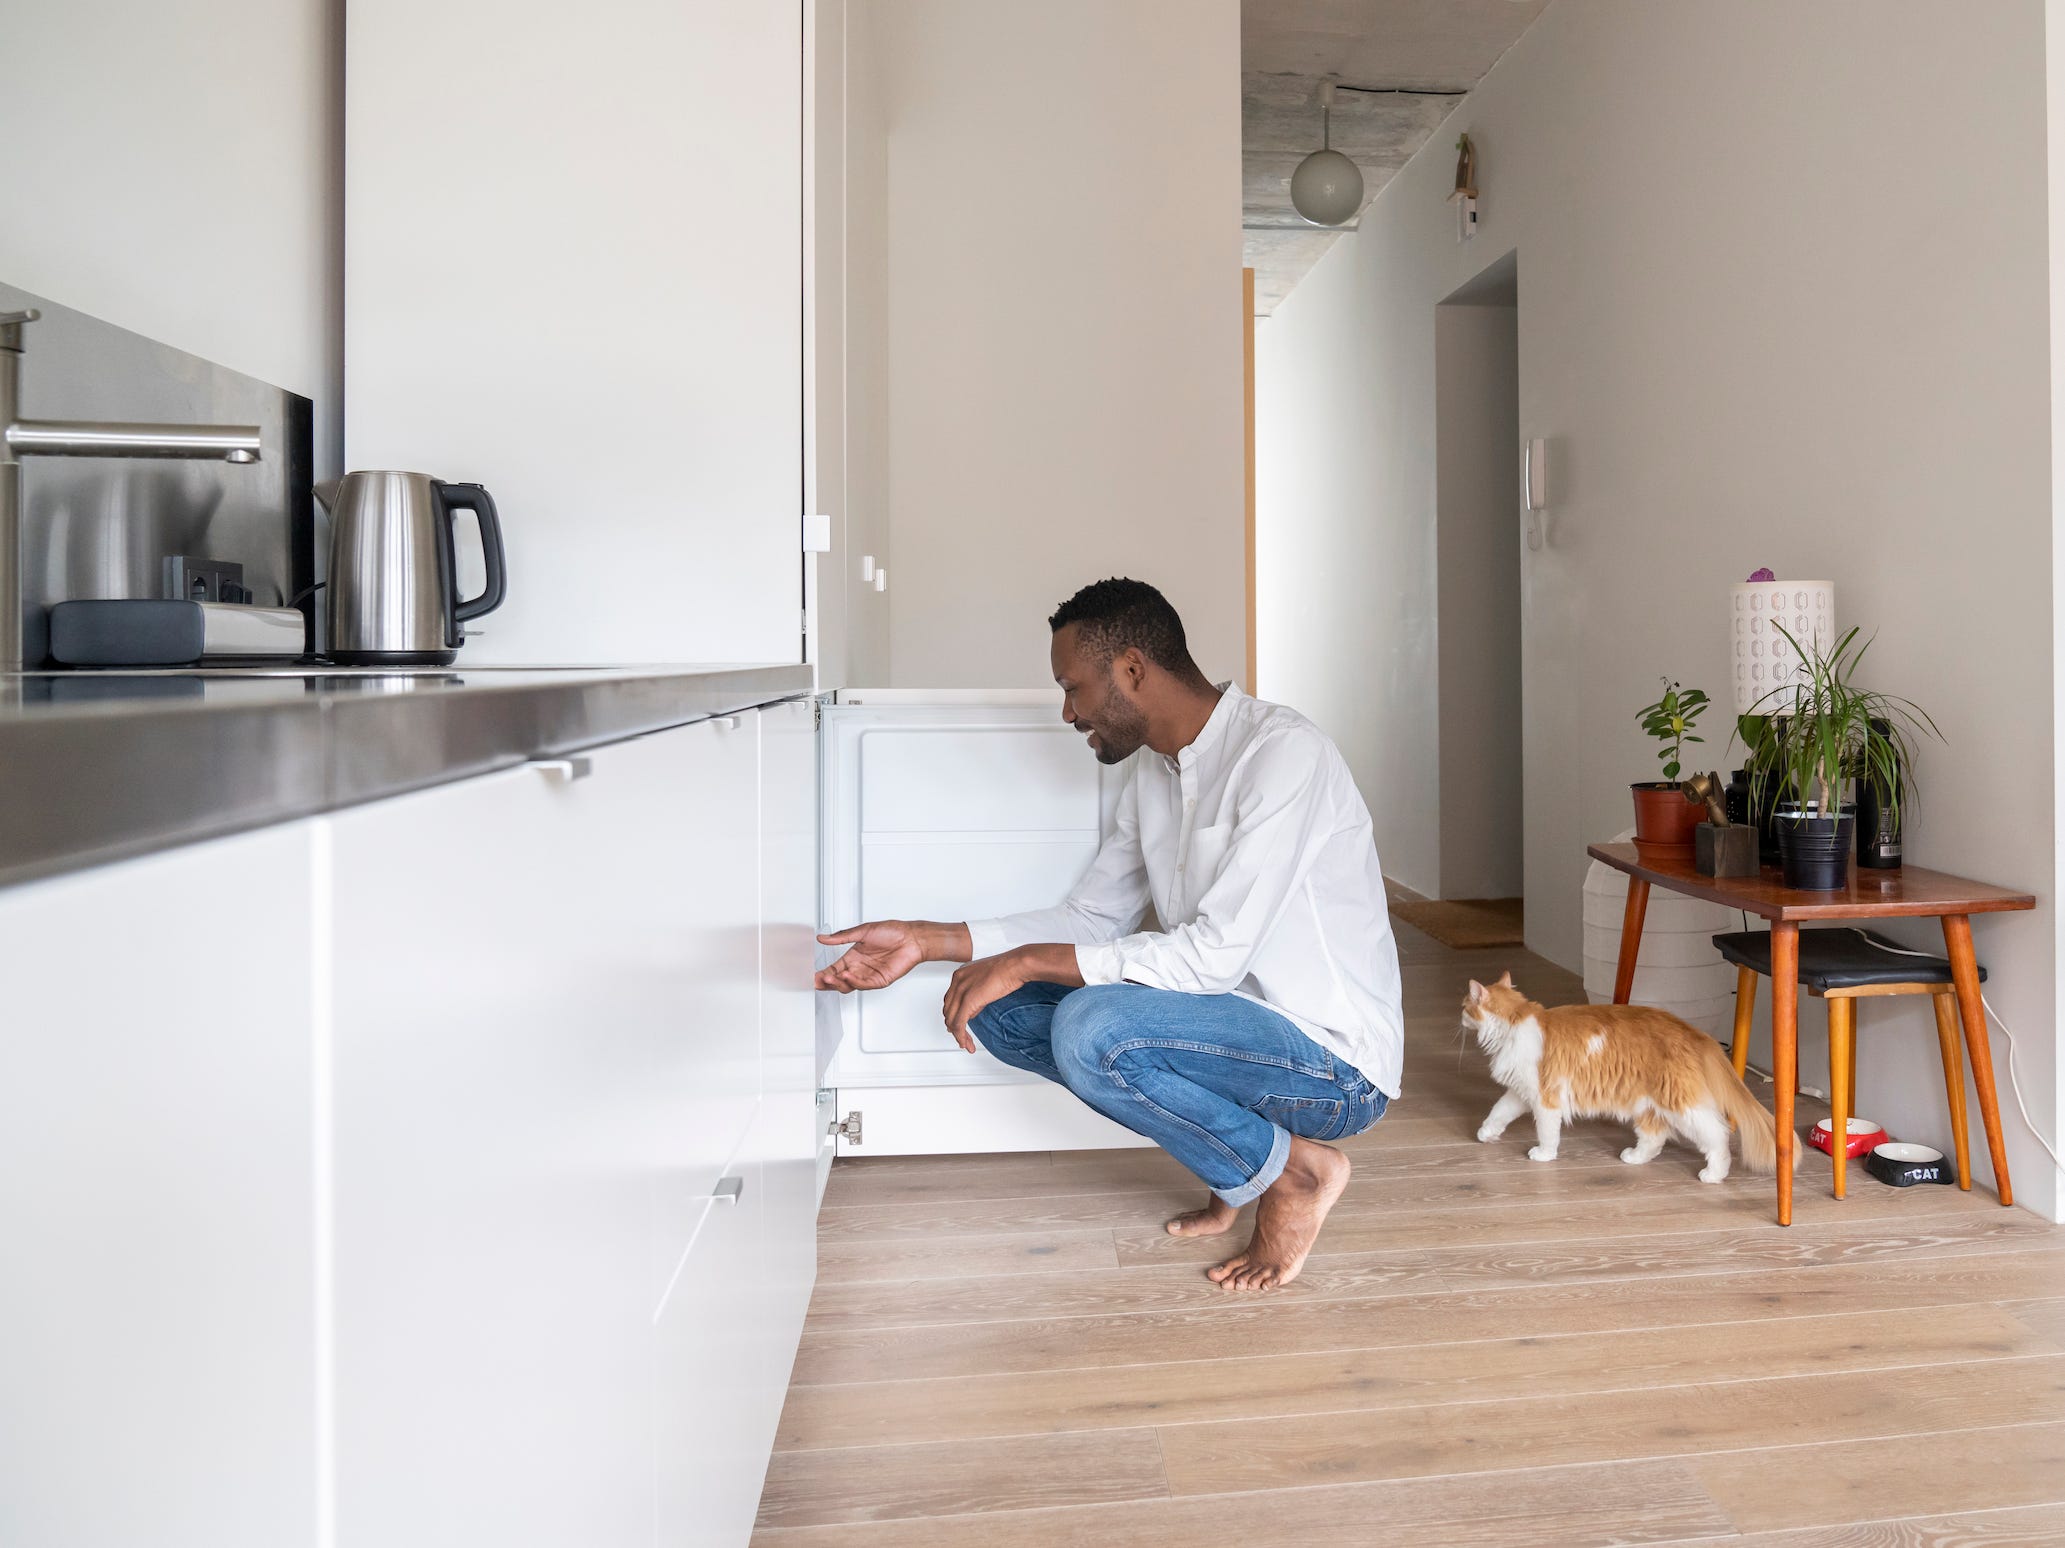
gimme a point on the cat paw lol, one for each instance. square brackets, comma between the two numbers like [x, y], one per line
[1537, 1153]
[1632, 1156]
[1710, 1174]
[1487, 1134]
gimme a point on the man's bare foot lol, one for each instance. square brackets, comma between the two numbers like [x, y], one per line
[1288, 1219]
[1216, 1217]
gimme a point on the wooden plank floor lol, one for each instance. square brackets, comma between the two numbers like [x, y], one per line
[1008, 1351]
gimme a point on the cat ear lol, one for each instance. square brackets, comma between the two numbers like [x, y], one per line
[1477, 991]
[1506, 979]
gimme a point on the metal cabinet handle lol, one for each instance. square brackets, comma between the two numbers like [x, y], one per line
[563, 771]
[725, 722]
[728, 1190]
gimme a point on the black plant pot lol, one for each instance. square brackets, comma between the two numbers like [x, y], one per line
[1736, 798]
[1878, 831]
[1878, 823]
[1768, 805]
[1815, 851]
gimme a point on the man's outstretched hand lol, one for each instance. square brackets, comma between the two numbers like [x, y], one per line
[879, 953]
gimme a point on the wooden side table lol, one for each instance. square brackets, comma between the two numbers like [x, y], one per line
[1910, 892]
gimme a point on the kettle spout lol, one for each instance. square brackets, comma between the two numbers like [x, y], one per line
[326, 492]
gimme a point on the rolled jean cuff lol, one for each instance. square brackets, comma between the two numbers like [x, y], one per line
[1254, 1187]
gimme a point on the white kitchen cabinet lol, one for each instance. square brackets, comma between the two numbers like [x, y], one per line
[573, 271]
[158, 1294]
[547, 1051]
[438, 1171]
[950, 810]
[790, 1131]
[727, 1331]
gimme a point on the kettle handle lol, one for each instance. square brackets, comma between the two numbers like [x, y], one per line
[471, 497]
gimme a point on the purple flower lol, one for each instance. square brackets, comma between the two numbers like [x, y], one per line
[1760, 575]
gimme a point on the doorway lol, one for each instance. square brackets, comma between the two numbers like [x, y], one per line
[1477, 567]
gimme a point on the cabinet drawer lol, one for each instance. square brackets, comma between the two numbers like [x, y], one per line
[157, 1332]
[718, 1377]
[699, 943]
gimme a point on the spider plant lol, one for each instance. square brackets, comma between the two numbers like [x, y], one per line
[1828, 732]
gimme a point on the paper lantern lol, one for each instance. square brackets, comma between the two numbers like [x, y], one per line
[1761, 614]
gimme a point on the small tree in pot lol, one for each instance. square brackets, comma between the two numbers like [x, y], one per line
[1664, 818]
[1833, 734]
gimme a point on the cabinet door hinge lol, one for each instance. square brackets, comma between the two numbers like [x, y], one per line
[849, 1130]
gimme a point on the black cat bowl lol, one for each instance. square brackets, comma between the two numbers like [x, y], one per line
[1901, 1165]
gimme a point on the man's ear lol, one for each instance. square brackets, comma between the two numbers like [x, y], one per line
[1131, 665]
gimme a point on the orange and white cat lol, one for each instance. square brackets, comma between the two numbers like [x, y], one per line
[1640, 1065]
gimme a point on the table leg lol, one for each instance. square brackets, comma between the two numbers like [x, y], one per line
[1964, 972]
[1630, 938]
[1785, 1051]
[1842, 1087]
[1954, 1083]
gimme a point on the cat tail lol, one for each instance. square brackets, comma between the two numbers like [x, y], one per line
[1752, 1120]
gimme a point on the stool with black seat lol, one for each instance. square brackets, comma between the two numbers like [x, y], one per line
[1844, 966]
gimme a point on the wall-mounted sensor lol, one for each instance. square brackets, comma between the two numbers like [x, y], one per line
[1534, 487]
[867, 567]
[882, 579]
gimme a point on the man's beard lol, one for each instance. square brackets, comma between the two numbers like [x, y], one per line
[1121, 728]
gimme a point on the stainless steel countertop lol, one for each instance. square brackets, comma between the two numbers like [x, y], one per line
[99, 766]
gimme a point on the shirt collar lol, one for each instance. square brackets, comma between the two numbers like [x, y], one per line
[1213, 732]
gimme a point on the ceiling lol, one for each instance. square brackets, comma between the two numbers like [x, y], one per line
[1289, 47]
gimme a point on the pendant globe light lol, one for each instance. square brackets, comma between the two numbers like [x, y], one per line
[1327, 187]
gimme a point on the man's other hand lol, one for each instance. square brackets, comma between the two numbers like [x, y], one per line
[879, 954]
[978, 986]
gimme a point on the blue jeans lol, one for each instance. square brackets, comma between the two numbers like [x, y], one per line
[1219, 1082]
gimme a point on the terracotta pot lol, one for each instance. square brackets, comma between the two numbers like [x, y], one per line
[1664, 821]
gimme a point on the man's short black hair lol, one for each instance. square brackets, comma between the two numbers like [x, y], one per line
[1118, 614]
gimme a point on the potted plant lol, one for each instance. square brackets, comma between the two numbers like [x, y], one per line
[1664, 817]
[1834, 735]
[1760, 736]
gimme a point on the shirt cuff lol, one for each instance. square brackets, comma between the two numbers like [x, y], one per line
[986, 938]
[1099, 964]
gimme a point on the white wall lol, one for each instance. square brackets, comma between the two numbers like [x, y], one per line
[2054, 78]
[1770, 313]
[176, 170]
[867, 353]
[830, 598]
[1053, 357]
[1477, 543]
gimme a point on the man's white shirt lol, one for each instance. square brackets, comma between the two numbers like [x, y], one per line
[1255, 849]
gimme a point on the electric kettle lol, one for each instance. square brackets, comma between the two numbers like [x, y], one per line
[393, 567]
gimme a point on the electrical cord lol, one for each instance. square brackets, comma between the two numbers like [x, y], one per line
[2014, 1084]
[1402, 91]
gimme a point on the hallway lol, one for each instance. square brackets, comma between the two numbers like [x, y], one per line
[1481, 1351]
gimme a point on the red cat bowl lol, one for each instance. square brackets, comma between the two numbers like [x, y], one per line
[1864, 1137]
